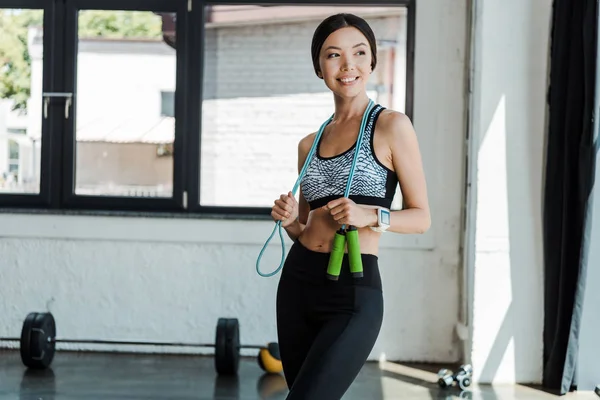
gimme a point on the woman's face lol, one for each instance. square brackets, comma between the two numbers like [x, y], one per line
[345, 62]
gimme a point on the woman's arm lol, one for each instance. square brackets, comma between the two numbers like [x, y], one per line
[295, 228]
[406, 158]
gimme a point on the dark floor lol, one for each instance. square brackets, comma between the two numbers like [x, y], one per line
[95, 376]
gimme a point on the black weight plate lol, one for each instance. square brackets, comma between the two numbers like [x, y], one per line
[227, 346]
[233, 344]
[25, 345]
[220, 338]
[41, 345]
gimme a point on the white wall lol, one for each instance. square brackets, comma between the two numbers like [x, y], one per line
[170, 279]
[505, 235]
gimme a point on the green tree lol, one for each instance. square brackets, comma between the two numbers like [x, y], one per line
[14, 55]
[120, 24]
[15, 62]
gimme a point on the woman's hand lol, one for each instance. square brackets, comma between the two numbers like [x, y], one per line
[285, 209]
[346, 212]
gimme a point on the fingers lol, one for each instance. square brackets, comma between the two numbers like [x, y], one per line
[338, 204]
[278, 216]
[340, 210]
[284, 207]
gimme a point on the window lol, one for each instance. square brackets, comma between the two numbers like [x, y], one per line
[167, 104]
[117, 124]
[13, 156]
[261, 96]
[21, 46]
[172, 105]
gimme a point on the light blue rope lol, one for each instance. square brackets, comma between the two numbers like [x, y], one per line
[361, 133]
[299, 179]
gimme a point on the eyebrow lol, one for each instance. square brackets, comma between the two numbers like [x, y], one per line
[337, 48]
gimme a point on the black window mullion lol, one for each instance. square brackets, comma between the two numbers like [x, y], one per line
[51, 127]
[63, 167]
[194, 103]
[181, 106]
[410, 57]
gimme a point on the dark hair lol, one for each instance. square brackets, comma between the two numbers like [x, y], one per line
[332, 24]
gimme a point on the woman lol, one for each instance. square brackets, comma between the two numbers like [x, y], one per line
[327, 328]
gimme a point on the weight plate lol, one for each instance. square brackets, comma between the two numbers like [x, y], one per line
[227, 345]
[25, 345]
[233, 343]
[220, 338]
[37, 345]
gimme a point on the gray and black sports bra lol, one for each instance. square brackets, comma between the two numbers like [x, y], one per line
[373, 183]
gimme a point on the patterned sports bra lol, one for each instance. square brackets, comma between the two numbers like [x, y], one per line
[326, 177]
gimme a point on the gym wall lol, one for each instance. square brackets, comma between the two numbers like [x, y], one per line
[504, 234]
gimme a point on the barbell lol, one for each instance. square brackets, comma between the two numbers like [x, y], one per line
[37, 345]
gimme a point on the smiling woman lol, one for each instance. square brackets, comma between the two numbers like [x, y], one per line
[330, 304]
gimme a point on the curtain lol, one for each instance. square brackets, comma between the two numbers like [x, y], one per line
[570, 163]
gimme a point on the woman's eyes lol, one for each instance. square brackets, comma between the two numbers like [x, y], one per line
[360, 53]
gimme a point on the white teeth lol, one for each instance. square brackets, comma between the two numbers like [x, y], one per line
[347, 80]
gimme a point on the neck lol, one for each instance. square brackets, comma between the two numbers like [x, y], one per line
[348, 109]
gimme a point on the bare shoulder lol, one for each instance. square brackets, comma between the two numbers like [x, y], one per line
[304, 147]
[305, 144]
[395, 127]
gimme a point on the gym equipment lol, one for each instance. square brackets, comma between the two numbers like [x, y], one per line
[38, 344]
[343, 234]
[445, 378]
[269, 359]
[349, 235]
[463, 377]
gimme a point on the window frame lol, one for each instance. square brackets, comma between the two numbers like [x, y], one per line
[57, 183]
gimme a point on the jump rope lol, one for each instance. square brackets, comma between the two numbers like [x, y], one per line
[343, 235]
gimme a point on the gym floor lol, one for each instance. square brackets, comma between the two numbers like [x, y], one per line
[95, 376]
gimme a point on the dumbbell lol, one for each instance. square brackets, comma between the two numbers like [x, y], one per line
[462, 376]
[445, 378]
[38, 344]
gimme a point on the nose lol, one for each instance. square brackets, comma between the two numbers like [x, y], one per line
[347, 65]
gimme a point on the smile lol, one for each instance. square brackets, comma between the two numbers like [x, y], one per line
[348, 80]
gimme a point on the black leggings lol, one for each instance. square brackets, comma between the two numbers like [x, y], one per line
[326, 329]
